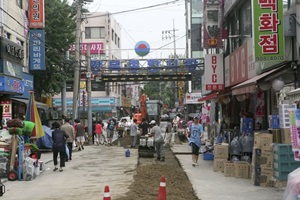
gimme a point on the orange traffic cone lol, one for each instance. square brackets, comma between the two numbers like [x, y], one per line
[162, 192]
[106, 193]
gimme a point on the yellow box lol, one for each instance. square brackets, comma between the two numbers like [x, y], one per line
[276, 135]
[219, 165]
[262, 157]
[263, 140]
[286, 136]
[221, 151]
[229, 169]
[241, 169]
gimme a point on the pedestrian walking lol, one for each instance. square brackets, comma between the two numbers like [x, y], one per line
[69, 129]
[110, 130]
[80, 134]
[133, 133]
[98, 131]
[195, 134]
[59, 146]
[168, 133]
[158, 140]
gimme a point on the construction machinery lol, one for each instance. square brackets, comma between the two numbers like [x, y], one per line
[150, 110]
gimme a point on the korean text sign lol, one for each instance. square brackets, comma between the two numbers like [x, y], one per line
[36, 14]
[37, 49]
[268, 30]
[214, 76]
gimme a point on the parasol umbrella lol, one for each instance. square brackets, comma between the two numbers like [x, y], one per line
[33, 116]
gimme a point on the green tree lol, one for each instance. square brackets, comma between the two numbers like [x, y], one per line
[60, 25]
[163, 91]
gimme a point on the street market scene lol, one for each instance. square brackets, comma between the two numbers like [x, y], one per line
[178, 99]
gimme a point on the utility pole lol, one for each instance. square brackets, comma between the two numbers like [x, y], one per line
[89, 91]
[168, 34]
[77, 58]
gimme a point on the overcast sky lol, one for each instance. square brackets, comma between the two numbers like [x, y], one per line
[146, 24]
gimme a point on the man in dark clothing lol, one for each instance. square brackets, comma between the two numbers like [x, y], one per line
[144, 126]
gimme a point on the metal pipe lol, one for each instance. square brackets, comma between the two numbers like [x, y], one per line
[89, 91]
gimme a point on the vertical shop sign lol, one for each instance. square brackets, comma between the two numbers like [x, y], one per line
[268, 30]
[212, 23]
[37, 50]
[295, 132]
[36, 14]
[6, 113]
[214, 78]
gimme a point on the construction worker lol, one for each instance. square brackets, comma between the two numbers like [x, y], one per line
[158, 140]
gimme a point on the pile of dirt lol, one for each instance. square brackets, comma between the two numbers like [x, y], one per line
[148, 175]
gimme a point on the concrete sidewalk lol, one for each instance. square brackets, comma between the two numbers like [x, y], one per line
[210, 185]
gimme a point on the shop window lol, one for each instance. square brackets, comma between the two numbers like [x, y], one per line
[112, 34]
[94, 32]
[245, 19]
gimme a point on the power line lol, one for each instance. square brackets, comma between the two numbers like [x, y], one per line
[136, 9]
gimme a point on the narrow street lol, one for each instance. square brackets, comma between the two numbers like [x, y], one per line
[83, 178]
[97, 166]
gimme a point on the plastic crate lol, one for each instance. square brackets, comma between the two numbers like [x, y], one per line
[282, 167]
[281, 175]
[280, 149]
[294, 165]
[208, 156]
[282, 158]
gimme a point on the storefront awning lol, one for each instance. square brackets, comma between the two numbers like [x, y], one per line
[38, 104]
[294, 95]
[249, 86]
[208, 97]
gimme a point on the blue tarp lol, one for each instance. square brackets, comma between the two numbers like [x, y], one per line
[45, 142]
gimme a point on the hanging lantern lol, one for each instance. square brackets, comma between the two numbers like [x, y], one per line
[240, 97]
[226, 99]
[264, 85]
[277, 84]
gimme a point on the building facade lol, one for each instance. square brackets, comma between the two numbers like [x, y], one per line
[103, 34]
[15, 80]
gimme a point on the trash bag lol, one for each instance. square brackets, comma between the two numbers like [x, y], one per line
[46, 141]
[292, 189]
[235, 146]
[67, 151]
[247, 143]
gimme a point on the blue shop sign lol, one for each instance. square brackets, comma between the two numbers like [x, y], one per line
[28, 85]
[37, 49]
[11, 85]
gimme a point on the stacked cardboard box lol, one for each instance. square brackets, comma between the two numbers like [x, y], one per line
[221, 153]
[241, 169]
[229, 170]
[286, 136]
[277, 138]
[262, 160]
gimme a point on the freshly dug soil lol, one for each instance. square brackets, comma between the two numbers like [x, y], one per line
[148, 176]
